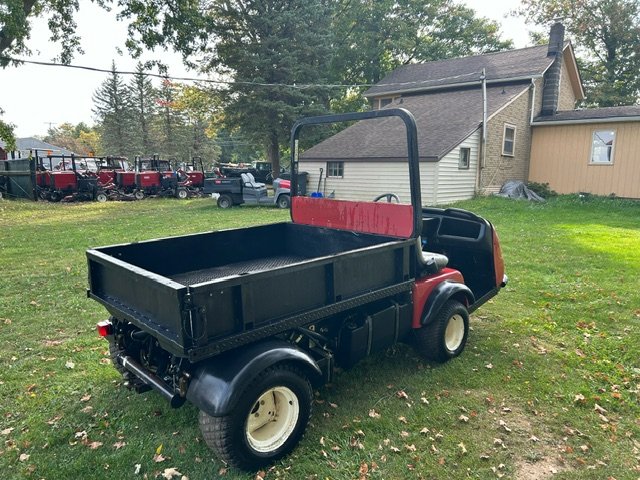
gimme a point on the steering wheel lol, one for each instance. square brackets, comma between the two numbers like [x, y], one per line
[388, 196]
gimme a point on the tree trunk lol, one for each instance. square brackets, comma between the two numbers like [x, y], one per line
[273, 154]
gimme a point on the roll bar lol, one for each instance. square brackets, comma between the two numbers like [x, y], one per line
[412, 151]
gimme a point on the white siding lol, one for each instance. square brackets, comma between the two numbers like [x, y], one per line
[455, 184]
[365, 180]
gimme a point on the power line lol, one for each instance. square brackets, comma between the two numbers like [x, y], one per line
[422, 82]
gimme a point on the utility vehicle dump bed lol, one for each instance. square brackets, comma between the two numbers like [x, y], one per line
[202, 294]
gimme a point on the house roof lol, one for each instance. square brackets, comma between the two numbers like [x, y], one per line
[523, 63]
[444, 119]
[592, 115]
[31, 143]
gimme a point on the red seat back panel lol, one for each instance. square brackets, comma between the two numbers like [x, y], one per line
[392, 219]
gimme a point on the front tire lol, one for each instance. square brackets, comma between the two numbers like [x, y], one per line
[267, 422]
[101, 197]
[446, 336]
[284, 201]
[138, 194]
[182, 193]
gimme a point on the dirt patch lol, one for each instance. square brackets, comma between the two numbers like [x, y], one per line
[540, 470]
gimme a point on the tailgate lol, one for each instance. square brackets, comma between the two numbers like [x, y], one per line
[150, 301]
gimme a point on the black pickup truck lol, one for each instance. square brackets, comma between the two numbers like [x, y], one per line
[245, 336]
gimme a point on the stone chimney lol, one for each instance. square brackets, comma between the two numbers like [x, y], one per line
[551, 89]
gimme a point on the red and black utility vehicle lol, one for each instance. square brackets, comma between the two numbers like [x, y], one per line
[58, 177]
[245, 335]
[191, 176]
[154, 176]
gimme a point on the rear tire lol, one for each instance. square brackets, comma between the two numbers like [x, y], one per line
[225, 201]
[55, 196]
[284, 201]
[182, 193]
[266, 423]
[446, 336]
[139, 194]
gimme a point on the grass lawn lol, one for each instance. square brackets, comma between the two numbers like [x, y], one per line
[547, 388]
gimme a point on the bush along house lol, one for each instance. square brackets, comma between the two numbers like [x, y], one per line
[482, 120]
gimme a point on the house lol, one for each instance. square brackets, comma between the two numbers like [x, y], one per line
[593, 150]
[29, 146]
[474, 117]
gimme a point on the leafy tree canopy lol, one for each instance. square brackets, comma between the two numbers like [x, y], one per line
[607, 36]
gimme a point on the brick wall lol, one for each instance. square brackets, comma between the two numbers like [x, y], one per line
[566, 99]
[500, 168]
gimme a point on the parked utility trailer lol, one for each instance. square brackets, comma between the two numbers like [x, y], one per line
[245, 335]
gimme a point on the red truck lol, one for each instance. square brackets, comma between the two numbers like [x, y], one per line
[255, 318]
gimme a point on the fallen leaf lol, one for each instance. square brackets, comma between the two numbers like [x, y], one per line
[322, 441]
[159, 449]
[402, 394]
[410, 448]
[463, 418]
[260, 475]
[119, 445]
[394, 449]
[404, 434]
[69, 364]
[599, 409]
[87, 409]
[94, 445]
[488, 366]
[223, 471]
[333, 405]
[533, 438]
[86, 398]
[504, 425]
[24, 457]
[364, 468]
[425, 430]
[81, 434]
[424, 400]
[463, 449]
[136, 469]
[579, 398]
[584, 448]
[403, 419]
[7, 431]
[169, 473]
[374, 414]
[158, 458]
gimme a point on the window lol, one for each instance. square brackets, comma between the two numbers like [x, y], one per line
[602, 147]
[335, 169]
[379, 103]
[465, 158]
[508, 140]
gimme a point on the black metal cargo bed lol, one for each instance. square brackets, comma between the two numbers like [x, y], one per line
[206, 293]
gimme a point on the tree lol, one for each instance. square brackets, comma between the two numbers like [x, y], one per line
[169, 121]
[80, 138]
[374, 38]
[607, 34]
[6, 134]
[200, 108]
[143, 107]
[114, 112]
[266, 47]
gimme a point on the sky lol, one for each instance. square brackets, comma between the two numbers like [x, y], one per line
[37, 97]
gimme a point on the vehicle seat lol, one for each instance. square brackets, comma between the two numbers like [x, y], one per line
[252, 179]
[430, 263]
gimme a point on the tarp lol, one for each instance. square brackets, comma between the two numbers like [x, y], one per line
[518, 189]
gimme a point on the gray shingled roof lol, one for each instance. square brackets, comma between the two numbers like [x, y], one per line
[591, 114]
[443, 119]
[31, 143]
[521, 63]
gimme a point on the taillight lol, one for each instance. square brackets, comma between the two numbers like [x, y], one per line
[498, 261]
[105, 328]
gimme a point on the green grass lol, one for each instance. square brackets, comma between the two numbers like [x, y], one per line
[560, 342]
